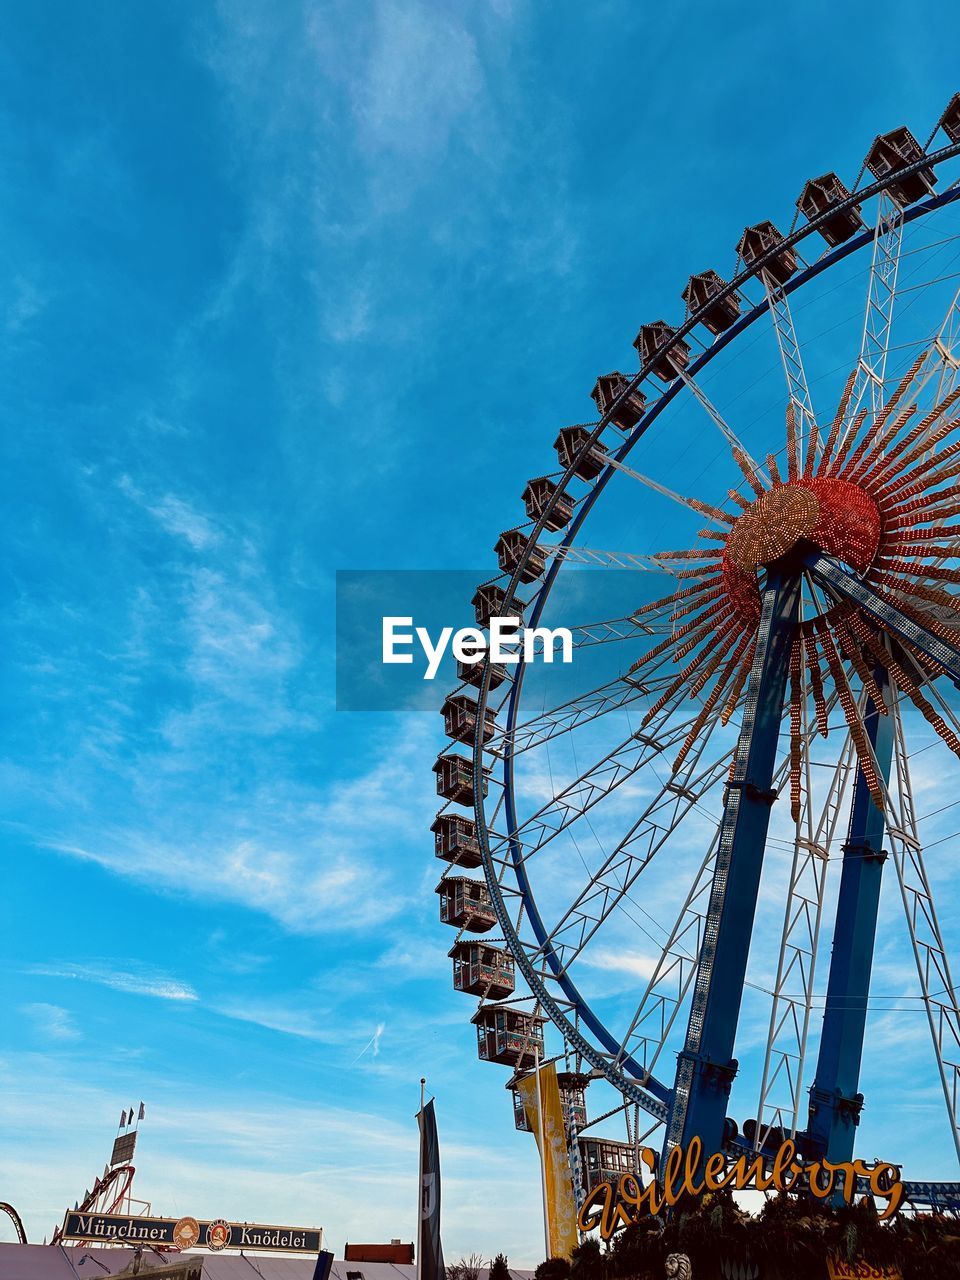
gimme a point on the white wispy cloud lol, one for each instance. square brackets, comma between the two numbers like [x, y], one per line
[281, 882]
[222, 755]
[422, 75]
[310, 859]
[612, 961]
[406, 91]
[273, 1016]
[181, 520]
[52, 1021]
[410, 959]
[237, 643]
[141, 981]
[27, 301]
[373, 1044]
[175, 515]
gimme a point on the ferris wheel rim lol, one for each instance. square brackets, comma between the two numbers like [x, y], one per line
[616, 1068]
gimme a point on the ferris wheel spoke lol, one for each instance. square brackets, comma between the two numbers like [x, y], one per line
[740, 452]
[610, 630]
[716, 514]
[669, 984]
[659, 617]
[586, 791]
[583, 709]
[870, 369]
[892, 455]
[868, 378]
[940, 996]
[920, 679]
[939, 361]
[711, 645]
[880, 442]
[802, 422]
[612, 883]
[648, 834]
[612, 559]
[617, 693]
[947, 347]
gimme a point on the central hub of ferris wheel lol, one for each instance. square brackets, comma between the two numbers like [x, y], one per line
[835, 515]
[840, 517]
[772, 526]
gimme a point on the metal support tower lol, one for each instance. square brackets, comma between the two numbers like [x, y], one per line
[669, 984]
[940, 996]
[781, 1085]
[706, 1065]
[835, 1100]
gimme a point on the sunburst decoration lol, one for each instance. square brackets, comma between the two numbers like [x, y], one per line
[875, 493]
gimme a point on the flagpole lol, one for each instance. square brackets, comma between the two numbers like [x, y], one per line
[419, 1235]
[543, 1154]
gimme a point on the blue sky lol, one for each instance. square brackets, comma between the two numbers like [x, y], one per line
[289, 289]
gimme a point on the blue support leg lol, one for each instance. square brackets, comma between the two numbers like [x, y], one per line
[835, 1100]
[706, 1066]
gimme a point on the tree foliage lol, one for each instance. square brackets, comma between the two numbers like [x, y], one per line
[468, 1268]
[790, 1238]
[499, 1269]
[553, 1269]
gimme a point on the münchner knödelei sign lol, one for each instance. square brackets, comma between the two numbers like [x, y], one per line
[117, 1228]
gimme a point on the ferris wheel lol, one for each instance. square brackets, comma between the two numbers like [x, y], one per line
[711, 845]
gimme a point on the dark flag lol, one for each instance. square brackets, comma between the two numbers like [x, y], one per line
[430, 1253]
[322, 1269]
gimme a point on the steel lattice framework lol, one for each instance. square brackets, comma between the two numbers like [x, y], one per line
[816, 598]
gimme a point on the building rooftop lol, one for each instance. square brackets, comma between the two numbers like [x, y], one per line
[58, 1262]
